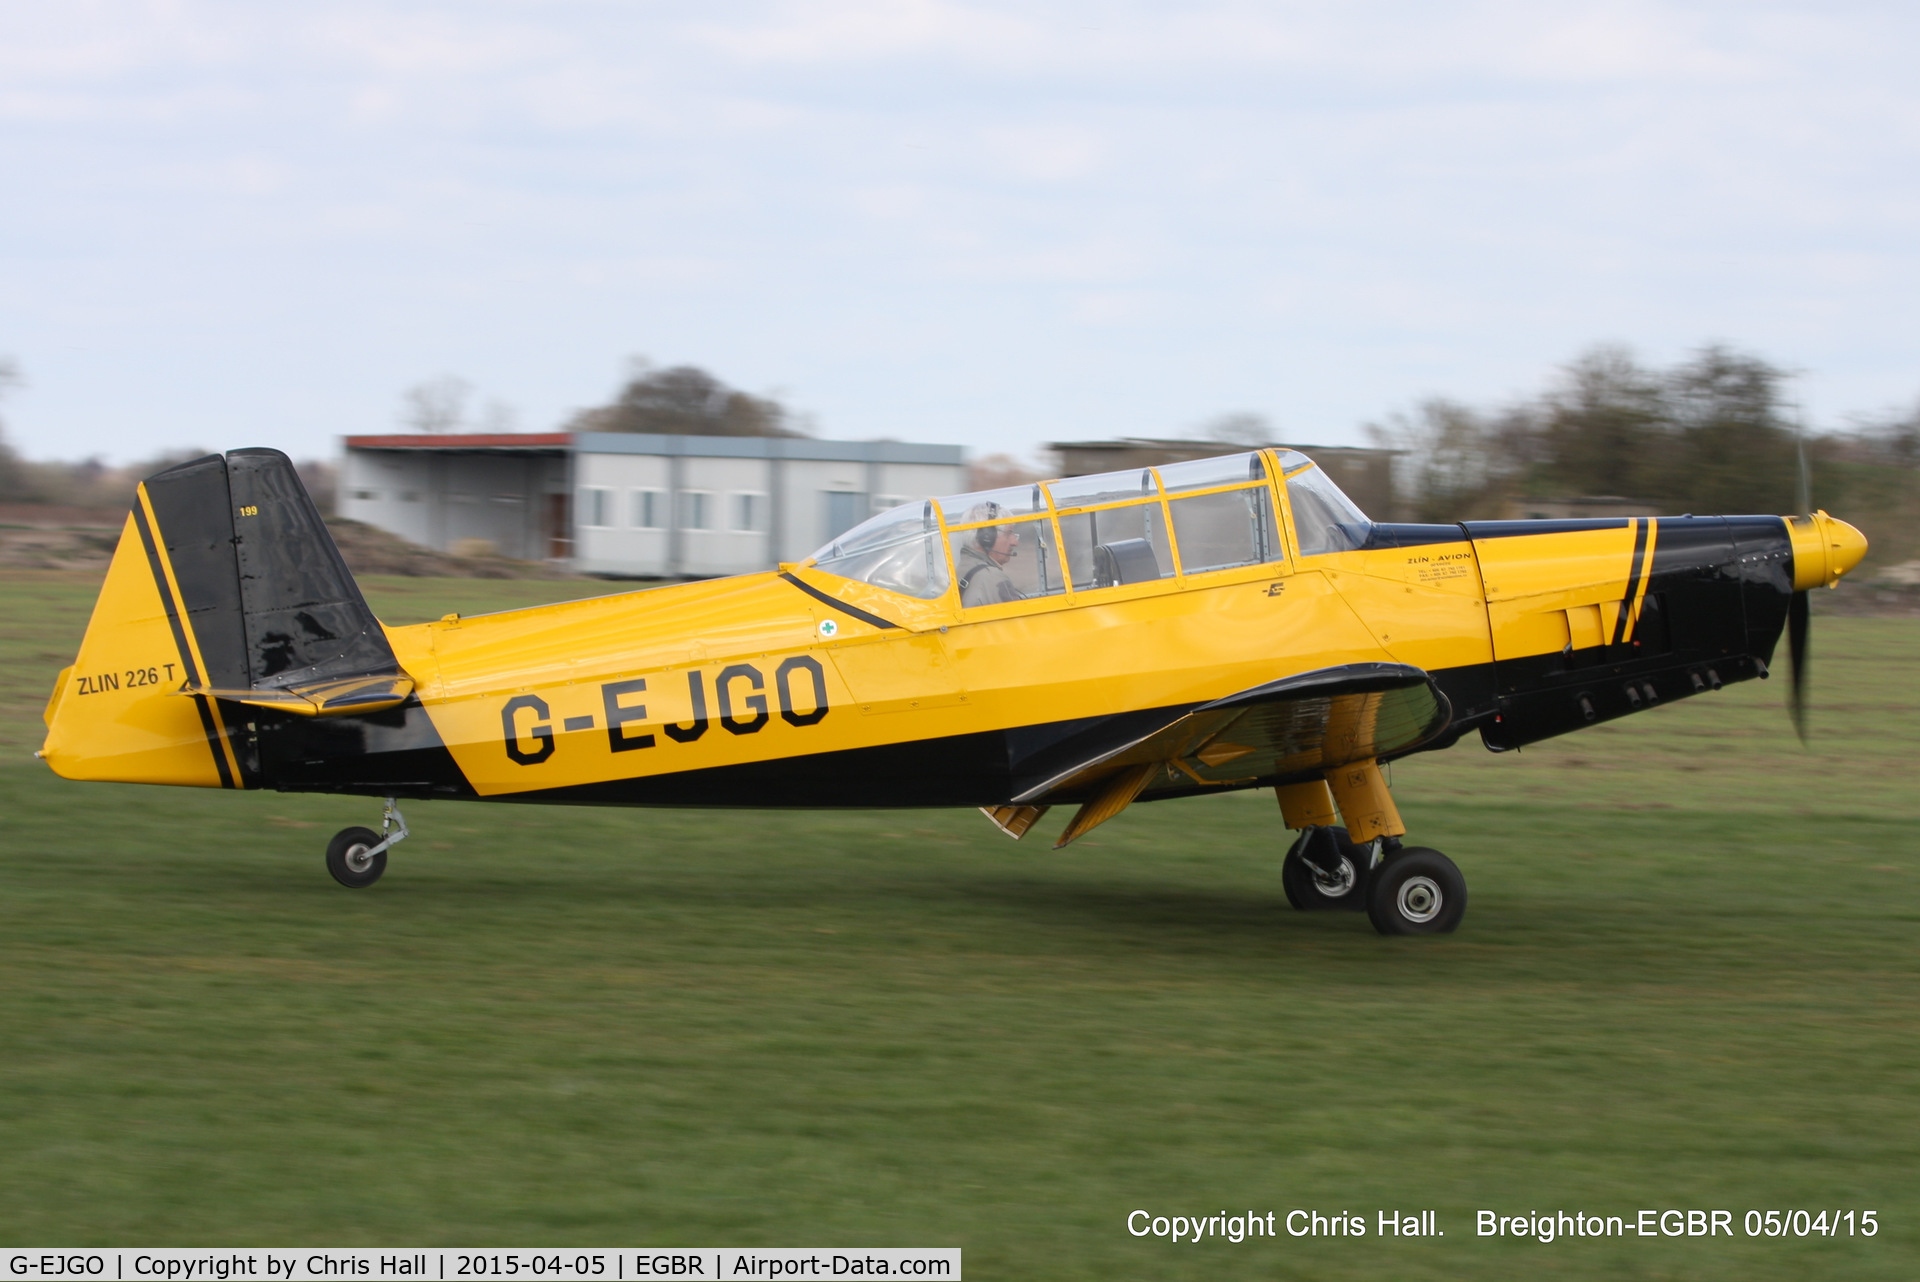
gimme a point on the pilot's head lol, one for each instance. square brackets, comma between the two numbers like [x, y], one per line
[998, 543]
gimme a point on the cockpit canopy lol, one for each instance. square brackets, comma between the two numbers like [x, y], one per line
[1092, 532]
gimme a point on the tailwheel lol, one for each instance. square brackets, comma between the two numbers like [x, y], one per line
[356, 857]
[1418, 891]
[1324, 871]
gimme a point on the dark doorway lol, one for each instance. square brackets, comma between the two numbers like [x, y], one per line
[559, 528]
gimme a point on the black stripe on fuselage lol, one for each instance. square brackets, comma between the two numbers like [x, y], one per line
[399, 753]
[1390, 534]
[200, 701]
[851, 611]
[1634, 570]
[1522, 529]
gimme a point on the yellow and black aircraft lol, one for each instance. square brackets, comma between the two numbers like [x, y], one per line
[1225, 623]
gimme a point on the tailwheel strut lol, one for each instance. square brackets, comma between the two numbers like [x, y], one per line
[356, 857]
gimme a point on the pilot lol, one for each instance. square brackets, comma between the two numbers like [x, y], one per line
[982, 556]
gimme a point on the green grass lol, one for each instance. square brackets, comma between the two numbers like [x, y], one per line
[1687, 978]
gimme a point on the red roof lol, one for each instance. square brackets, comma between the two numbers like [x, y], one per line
[464, 441]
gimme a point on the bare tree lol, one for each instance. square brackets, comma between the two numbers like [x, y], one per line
[437, 405]
[17, 477]
[1459, 463]
[997, 471]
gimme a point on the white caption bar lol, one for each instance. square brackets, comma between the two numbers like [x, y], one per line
[477, 1264]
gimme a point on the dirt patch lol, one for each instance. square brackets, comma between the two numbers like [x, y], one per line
[374, 551]
[56, 516]
[57, 549]
[1879, 598]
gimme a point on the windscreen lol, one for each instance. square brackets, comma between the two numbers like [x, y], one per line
[1324, 518]
[898, 550]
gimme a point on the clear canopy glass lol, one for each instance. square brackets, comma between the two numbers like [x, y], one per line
[1206, 473]
[1117, 545]
[992, 505]
[1013, 561]
[898, 550]
[1324, 518]
[1004, 547]
[1225, 528]
[1108, 487]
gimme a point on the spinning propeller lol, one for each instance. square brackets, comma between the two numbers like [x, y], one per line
[1823, 549]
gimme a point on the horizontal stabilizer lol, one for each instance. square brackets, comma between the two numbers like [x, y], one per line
[320, 698]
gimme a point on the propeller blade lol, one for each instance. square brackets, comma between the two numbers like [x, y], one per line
[1798, 622]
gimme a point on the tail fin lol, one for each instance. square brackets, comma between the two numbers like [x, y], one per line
[226, 590]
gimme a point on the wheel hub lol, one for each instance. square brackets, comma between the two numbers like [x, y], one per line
[1420, 899]
[1336, 886]
[357, 859]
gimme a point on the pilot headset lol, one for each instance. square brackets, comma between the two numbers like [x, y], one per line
[987, 535]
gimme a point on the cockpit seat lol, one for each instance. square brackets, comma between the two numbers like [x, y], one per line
[1124, 561]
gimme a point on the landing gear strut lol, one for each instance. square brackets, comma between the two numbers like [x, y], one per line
[357, 856]
[1325, 870]
[1404, 890]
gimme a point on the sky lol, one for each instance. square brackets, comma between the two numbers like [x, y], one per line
[994, 224]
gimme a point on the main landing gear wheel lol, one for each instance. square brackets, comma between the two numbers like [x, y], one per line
[1417, 892]
[1310, 887]
[349, 861]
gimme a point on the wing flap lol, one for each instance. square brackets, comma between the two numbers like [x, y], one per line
[1296, 726]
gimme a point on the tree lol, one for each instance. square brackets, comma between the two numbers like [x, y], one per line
[19, 480]
[998, 471]
[685, 400]
[437, 405]
[1604, 429]
[1708, 435]
[1734, 451]
[1459, 463]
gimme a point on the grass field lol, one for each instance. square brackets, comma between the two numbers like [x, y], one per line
[1687, 978]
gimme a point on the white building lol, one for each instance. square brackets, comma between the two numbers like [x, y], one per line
[627, 504]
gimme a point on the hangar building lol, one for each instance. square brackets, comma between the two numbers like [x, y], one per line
[625, 504]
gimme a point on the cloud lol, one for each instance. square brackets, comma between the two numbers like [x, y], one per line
[1036, 193]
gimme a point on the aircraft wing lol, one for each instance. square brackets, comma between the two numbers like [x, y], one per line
[1297, 726]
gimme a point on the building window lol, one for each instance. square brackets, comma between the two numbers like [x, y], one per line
[696, 510]
[747, 513]
[410, 496]
[844, 510]
[596, 506]
[649, 509]
[366, 494]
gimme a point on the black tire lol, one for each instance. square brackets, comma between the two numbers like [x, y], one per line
[1309, 889]
[347, 858]
[1417, 892]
